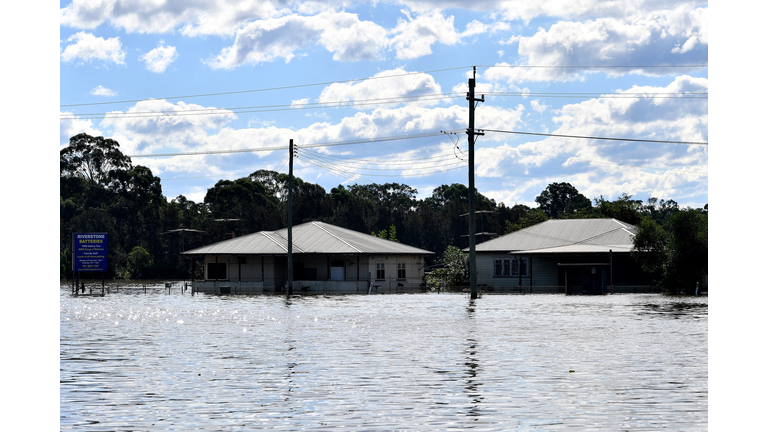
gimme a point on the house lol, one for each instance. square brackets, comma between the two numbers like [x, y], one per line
[326, 259]
[589, 256]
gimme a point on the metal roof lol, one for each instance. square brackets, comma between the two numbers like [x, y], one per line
[578, 248]
[308, 238]
[565, 235]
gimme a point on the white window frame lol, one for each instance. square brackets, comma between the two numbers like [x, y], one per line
[380, 266]
[401, 266]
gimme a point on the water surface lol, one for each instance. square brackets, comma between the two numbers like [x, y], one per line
[135, 361]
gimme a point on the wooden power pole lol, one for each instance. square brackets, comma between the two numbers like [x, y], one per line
[289, 291]
[471, 138]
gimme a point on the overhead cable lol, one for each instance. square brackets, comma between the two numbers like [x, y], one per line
[390, 76]
[271, 88]
[516, 150]
[285, 147]
[597, 138]
[245, 110]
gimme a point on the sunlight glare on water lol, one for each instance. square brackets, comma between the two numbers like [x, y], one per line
[157, 361]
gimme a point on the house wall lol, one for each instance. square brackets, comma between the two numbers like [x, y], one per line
[547, 276]
[542, 273]
[253, 281]
[414, 270]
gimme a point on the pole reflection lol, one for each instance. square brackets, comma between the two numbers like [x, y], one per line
[472, 364]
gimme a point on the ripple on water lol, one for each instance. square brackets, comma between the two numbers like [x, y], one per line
[419, 362]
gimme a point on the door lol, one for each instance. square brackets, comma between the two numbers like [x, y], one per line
[337, 273]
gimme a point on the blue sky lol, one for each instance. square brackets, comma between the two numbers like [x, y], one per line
[153, 58]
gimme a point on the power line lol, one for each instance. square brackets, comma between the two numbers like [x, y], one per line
[341, 173]
[392, 76]
[516, 150]
[394, 99]
[597, 138]
[198, 153]
[607, 95]
[595, 66]
[374, 101]
[336, 167]
[359, 163]
[270, 88]
[285, 147]
[245, 110]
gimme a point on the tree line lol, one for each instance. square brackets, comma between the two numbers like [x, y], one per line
[102, 191]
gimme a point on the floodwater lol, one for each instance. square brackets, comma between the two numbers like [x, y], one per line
[159, 361]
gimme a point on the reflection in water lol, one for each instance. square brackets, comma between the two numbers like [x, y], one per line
[418, 362]
[472, 363]
[676, 309]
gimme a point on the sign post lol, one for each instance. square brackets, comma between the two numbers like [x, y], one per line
[89, 251]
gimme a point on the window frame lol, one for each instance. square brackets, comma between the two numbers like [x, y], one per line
[401, 268]
[380, 268]
[510, 267]
[208, 271]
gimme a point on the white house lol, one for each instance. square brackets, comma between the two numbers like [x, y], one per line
[326, 259]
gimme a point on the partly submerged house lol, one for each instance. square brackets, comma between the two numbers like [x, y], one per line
[326, 258]
[562, 255]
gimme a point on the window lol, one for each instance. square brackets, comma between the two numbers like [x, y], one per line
[217, 271]
[401, 270]
[379, 271]
[510, 267]
[502, 268]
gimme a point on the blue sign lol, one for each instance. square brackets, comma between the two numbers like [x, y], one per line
[90, 251]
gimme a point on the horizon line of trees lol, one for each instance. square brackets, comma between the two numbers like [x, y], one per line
[102, 191]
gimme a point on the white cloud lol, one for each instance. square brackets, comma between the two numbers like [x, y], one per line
[610, 168]
[145, 132]
[267, 40]
[71, 127]
[218, 17]
[88, 47]
[103, 91]
[475, 28]
[538, 107]
[343, 34]
[143, 135]
[668, 37]
[528, 10]
[414, 38]
[159, 58]
[300, 102]
[401, 85]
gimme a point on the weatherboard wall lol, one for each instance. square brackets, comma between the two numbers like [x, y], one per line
[542, 273]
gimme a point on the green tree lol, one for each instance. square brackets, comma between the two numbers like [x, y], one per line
[453, 270]
[391, 236]
[560, 199]
[95, 159]
[659, 210]
[676, 254]
[532, 217]
[139, 261]
[624, 209]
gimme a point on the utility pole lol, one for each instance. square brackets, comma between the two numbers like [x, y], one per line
[471, 138]
[290, 218]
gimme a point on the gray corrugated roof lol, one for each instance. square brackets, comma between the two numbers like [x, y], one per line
[559, 233]
[579, 248]
[310, 237]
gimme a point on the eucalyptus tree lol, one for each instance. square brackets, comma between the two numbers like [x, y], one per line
[560, 199]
